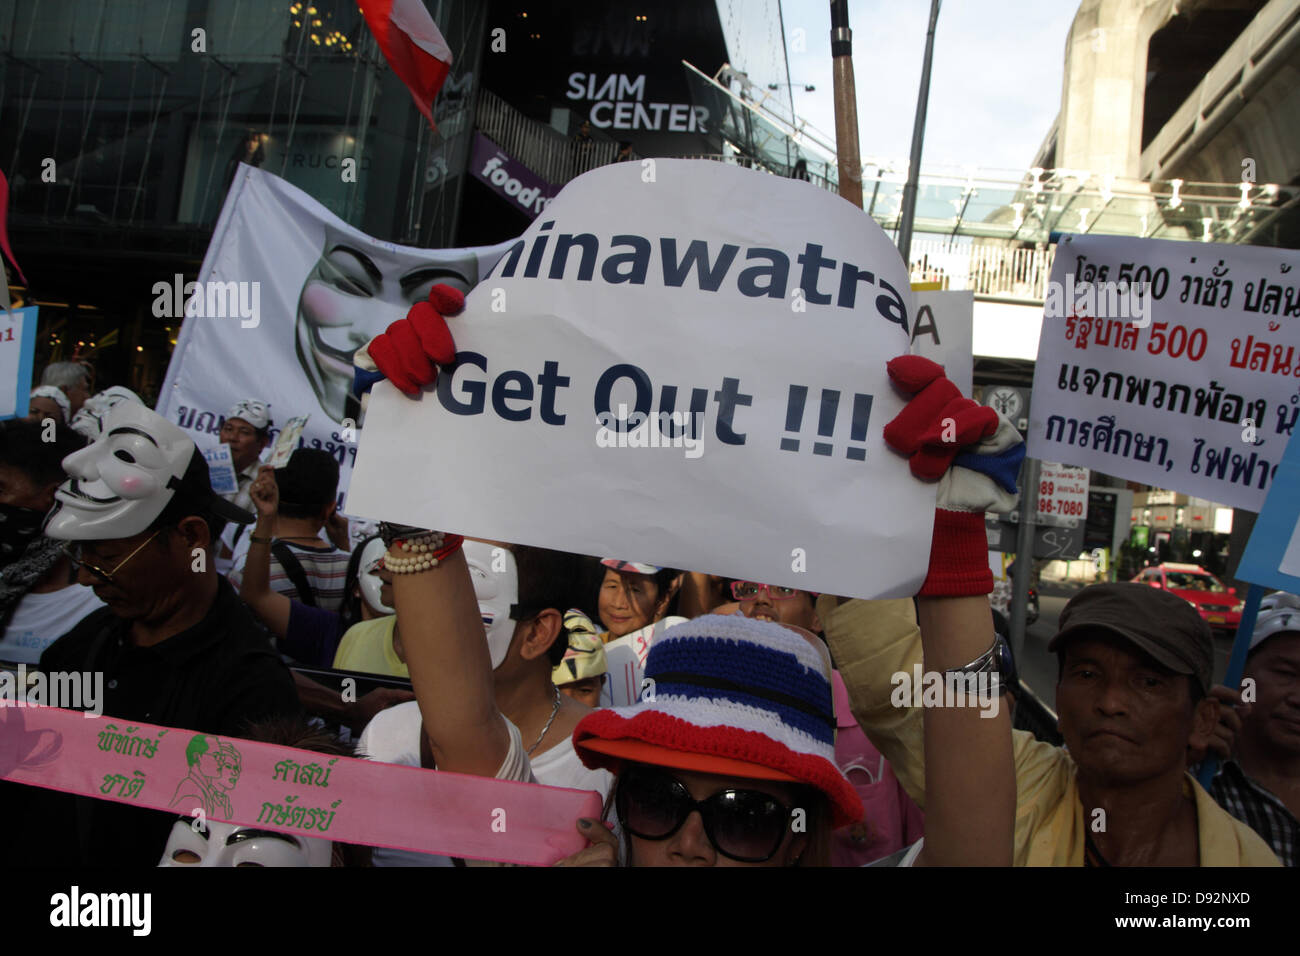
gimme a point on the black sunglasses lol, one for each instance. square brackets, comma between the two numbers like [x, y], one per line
[748, 826]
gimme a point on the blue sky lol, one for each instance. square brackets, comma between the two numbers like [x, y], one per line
[994, 91]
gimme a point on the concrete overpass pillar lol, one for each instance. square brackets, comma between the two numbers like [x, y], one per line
[1104, 86]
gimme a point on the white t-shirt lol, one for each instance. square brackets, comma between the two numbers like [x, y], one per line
[561, 767]
[393, 736]
[40, 619]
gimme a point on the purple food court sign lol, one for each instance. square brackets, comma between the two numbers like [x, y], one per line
[508, 178]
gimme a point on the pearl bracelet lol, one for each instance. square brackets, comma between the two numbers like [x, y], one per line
[425, 552]
[421, 543]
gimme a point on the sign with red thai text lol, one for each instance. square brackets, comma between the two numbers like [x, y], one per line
[1172, 363]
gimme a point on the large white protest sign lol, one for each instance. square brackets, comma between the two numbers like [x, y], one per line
[942, 332]
[287, 293]
[1171, 363]
[682, 362]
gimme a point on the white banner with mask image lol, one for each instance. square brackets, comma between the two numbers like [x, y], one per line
[680, 363]
[287, 293]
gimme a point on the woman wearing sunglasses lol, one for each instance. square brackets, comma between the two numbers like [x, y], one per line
[730, 760]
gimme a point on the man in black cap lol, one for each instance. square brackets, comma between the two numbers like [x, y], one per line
[1135, 667]
[175, 644]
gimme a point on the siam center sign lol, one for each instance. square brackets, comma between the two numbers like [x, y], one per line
[618, 101]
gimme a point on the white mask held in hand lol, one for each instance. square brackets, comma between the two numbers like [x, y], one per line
[497, 591]
[224, 844]
[370, 583]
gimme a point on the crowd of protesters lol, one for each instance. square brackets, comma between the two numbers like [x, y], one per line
[771, 704]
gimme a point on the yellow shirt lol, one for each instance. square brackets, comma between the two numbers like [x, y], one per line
[872, 640]
[368, 647]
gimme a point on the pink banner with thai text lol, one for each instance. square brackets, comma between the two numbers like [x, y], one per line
[248, 783]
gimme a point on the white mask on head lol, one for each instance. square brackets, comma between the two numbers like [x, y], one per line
[496, 591]
[224, 844]
[370, 583]
[122, 481]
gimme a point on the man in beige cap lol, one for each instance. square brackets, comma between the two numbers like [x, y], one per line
[1134, 675]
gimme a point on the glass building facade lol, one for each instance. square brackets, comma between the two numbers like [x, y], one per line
[123, 122]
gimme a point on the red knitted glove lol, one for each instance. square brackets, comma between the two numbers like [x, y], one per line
[938, 422]
[410, 351]
[959, 556]
[938, 411]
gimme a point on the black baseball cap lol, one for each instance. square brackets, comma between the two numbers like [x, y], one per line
[1160, 624]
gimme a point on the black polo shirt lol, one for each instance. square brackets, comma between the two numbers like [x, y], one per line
[216, 677]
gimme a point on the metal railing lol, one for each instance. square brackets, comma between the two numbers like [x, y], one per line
[551, 155]
[984, 268]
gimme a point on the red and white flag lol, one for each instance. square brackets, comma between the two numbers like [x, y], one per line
[412, 45]
[4, 244]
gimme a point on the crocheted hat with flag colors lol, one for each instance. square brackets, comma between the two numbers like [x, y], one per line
[734, 697]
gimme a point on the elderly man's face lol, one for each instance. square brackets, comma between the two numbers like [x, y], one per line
[1275, 715]
[352, 295]
[1125, 718]
[148, 573]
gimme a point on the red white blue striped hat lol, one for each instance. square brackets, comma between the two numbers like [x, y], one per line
[734, 697]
